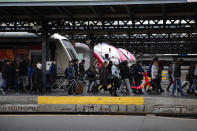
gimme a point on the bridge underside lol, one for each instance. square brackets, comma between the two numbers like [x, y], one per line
[141, 28]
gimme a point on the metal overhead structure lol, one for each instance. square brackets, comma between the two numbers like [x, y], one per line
[157, 26]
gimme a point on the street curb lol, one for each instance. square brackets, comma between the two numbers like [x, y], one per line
[152, 105]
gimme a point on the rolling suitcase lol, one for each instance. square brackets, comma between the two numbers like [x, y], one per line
[79, 87]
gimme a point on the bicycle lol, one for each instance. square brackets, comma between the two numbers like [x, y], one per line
[60, 85]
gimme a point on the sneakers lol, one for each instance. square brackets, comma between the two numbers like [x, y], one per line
[2, 92]
[162, 91]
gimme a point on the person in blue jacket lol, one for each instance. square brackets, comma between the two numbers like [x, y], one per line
[30, 75]
[70, 74]
[53, 72]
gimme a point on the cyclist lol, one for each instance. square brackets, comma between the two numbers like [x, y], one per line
[70, 74]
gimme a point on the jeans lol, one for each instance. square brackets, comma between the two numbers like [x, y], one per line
[3, 83]
[24, 80]
[171, 81]
[71, 86]
[90, 83]
[31, 83]
[127, 82]
[194, 83]
[82, 78]
[16, 85]
[178, 82]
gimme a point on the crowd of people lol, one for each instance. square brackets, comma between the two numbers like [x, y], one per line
[113, 77]
[174, 73]
[20, 76]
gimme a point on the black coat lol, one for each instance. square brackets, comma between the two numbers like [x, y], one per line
[177, 70]
[23, 69]
[37, 77]
[125, 72]
[104, 75]
[76, 69]
[9, 74]
[81, 69]
[4, 70]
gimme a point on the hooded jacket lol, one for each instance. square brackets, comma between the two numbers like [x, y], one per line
[154, 72]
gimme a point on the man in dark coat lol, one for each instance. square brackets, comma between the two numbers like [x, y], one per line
[23, 73]
[177, 76]
[103, 76]
[82, 71]
[125, 74]
[53, 72]
[37, 79]
[76, 67]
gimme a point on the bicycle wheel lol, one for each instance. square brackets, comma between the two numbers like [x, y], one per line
[150, 89]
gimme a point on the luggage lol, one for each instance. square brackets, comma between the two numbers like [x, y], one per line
[79, 87]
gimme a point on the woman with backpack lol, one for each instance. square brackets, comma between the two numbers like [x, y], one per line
[115, 78]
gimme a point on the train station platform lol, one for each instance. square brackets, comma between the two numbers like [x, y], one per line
[99, 104]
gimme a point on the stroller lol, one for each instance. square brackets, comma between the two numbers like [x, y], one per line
[149, 86]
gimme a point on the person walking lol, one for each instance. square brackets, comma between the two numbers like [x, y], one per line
[109, 77]
[91, 74]
[190, 78]
[125, 74]
[194, 81]
[177, 76]
[160, 65]
[76, 68]
[170, 77]
[155, 73]
[115, 78]
[53, 72]
[70, 73]
[82, 71]
[104, 76]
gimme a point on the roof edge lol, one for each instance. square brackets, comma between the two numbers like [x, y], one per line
[90, 3]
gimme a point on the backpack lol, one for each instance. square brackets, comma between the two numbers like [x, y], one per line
[90, 73]
[149, 70]
[132, 70]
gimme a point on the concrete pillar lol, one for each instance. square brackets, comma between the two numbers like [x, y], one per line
[44, 57]
[91, 46]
